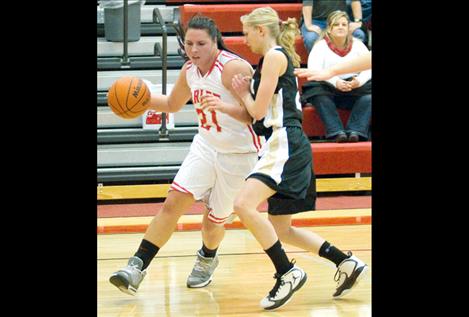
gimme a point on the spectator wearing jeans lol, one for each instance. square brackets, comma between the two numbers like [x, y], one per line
[366, 10]
[366, 17]
[315, 13]
[348, 91]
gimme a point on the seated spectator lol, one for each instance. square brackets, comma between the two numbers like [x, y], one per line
[347, 91]
[362, 8]
[366, 11]
[315, 14]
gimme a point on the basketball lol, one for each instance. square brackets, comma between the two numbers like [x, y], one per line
[128, 97]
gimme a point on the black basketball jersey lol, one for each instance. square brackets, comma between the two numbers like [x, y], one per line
[285, 108]
[285, 163]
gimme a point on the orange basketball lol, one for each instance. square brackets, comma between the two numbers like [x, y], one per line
[128, 97]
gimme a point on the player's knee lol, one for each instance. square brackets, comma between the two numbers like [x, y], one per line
[241, 207]
[172, 210]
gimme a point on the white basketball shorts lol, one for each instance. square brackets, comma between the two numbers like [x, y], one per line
[214, 178]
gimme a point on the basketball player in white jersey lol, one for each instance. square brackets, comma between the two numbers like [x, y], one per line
[221, 156]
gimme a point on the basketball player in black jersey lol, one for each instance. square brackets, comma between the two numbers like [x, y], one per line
[283, 175]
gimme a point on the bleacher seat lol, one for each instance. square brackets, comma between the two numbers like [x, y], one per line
[237, 45]
[227, 17]
[144, 162]
[312, 123]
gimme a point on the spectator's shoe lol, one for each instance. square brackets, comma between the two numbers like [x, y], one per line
[129, 278]
[341, 137]
[353, 137]
[284, 288]
[348, 274]
[202, 272]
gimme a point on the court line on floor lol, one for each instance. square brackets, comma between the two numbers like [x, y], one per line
[226, 254]
[193, 222]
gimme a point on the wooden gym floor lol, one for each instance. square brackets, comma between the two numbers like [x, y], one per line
[243, 277]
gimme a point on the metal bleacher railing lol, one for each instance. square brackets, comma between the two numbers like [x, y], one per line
[133, 153]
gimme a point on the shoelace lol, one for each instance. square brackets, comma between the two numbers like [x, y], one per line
[277, 285]
[337, 275]
[339, 272]
[201, 267]
[134, 267]
[279, 282]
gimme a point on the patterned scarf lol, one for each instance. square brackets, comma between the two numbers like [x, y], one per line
[335, 49]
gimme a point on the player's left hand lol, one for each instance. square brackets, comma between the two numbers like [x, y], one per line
[211, 103]
[241, 85]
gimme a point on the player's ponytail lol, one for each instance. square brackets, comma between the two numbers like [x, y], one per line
[286, 38]
[284, 32]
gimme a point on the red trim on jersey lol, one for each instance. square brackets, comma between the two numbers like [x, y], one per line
[179, 188]
[229, 55]
[214, 219]
[220, 69]
[218, 63]
[254, 138]
[214, 62]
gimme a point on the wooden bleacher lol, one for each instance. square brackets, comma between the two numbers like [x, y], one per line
[155, 191]
[227, 17]
[328, 159]
[312, 123]
[237, 45]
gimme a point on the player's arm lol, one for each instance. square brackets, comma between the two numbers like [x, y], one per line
[357, 64]
[178, 98]
[237, 110]
[275, 64]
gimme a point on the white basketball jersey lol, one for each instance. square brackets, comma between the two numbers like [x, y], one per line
[224, 133]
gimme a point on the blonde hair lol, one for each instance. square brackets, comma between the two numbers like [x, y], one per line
[332, 18]
[284, 32]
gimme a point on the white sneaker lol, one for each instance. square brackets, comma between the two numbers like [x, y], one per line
[348, 274]
[129, 278]
[284, 288]
[202, 272]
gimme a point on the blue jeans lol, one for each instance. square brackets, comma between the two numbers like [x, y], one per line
[359, 120]
[309, 38]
